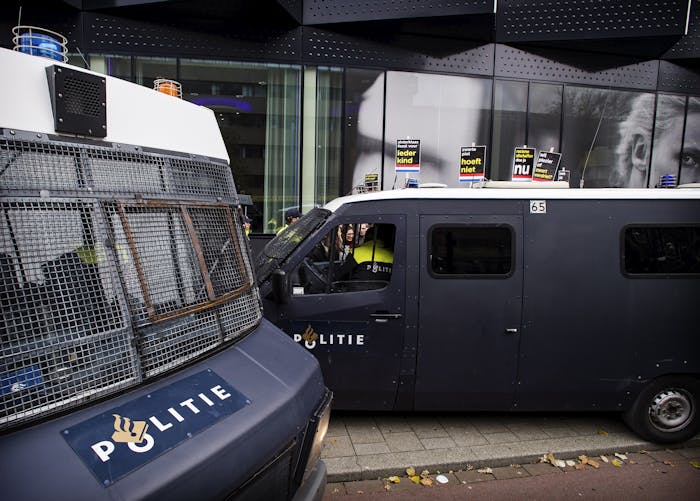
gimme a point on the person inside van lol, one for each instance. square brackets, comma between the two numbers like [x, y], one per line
[374, 259]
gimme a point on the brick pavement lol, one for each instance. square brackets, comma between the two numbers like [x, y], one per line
[369, 446]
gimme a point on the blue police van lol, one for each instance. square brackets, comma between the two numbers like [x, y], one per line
[135, 361]
[540, 298]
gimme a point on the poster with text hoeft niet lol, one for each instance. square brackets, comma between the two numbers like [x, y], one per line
[408, 155]
[523, 164]
[546, 166]
[472, 164]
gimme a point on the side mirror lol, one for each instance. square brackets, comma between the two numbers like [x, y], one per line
[280, 287]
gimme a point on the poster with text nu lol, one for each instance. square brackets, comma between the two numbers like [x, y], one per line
[523, 164]
[408, 155]
[472, 164]
[546, 166]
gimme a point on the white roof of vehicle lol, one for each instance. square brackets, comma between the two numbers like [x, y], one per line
[523, 190]
[136, 115]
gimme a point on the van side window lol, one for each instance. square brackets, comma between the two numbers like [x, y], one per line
[651, 250]
[471, 250]
[349, 258]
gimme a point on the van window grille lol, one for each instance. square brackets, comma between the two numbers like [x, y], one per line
[102, 288]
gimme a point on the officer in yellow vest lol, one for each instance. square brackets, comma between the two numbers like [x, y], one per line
[374, 258]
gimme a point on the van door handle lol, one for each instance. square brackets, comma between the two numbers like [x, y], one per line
[384, 317]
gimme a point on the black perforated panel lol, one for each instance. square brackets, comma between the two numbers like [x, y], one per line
[341, 11]
[676, 78]
[532, 20]
[403, 52]
[688, 47]
[293, 8]
[119, 35]
[557, 66]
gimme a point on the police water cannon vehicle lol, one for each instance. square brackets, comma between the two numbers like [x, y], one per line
[135, 362]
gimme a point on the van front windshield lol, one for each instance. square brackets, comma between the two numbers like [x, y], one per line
[282, 246]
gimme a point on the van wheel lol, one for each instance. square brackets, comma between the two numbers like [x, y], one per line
[666, 410]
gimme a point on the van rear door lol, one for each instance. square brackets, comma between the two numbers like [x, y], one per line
[470, 304]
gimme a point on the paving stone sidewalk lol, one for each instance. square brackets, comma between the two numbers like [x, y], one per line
[365, 446]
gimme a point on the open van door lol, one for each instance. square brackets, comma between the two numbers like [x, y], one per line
[469, 311]
[353, 323]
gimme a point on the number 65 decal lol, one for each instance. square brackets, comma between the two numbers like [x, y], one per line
[538, 207]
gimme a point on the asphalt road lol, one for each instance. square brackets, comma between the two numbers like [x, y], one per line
[653, 476]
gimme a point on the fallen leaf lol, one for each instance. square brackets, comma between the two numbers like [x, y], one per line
[415, 479]
[387, 487]
[424, 474]
[593, 463]
[668, 463]
[394, 479]
[427, 481]
[604, 459]
[360, 492]
[695, 464]
[469, 467]
[617, 462]
[569, 462]
[410, 471]
[602, 432]
[485, 470]
[583, 459]
[621, 456]
[333, 441]
[580, 466]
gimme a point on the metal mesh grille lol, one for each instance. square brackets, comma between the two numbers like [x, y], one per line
[82, 97]
[102, 291]
[64, 336]
[29, 165]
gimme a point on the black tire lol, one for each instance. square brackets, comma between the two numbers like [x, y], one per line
[666, 410]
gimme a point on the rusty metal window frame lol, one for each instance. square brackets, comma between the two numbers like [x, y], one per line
[184, 207]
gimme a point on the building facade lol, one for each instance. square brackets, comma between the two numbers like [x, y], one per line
[313, 95]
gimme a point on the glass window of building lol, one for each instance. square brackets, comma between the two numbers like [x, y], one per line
[258, 108]
[544, 116]
[668, 137]
[444, 112]
[148, 69]
[116, 66]
[322, 136]
[690, 156]
[364, 126]
[606, 136]
[509, 123]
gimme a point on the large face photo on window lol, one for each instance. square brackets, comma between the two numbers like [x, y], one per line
[351, 257]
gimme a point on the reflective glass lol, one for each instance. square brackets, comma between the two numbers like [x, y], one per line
[444, 112]
[606, 136]
[509, 107]
[257, 106]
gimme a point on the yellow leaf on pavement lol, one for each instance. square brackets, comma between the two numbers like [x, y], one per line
[427, 481]
[410, 471]
[394, 479]
[415, 479]
[617, 462]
